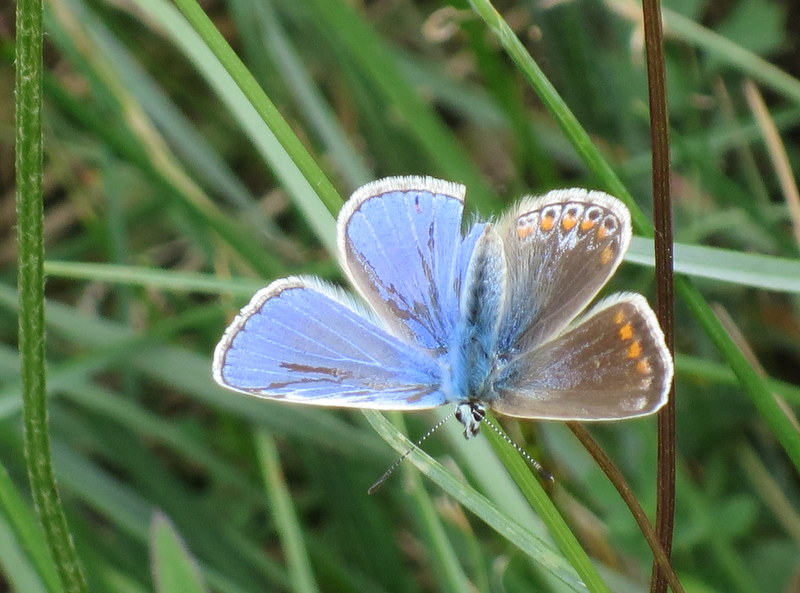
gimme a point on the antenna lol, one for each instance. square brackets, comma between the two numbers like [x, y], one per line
[543, 473]
[374, 488]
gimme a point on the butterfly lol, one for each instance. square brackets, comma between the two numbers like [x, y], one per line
[488, 317]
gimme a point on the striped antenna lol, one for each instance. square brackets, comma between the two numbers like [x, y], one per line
[543, 473]
[388, 472]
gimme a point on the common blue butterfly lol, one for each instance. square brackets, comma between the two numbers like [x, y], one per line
[491, 317]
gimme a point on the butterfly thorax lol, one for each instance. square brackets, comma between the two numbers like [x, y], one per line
[474, 361]
[469, 382]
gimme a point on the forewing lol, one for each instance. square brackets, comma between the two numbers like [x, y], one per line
[401, 245]
[302, 341]
[560, 250]
[612, 364]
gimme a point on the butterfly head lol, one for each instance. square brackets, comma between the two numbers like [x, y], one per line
[470, 413]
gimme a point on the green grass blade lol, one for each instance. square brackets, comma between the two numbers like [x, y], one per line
[372, 57]
[743, 269]
[352, 166]
[24, 554]
[174, 569]
[506, 525]
[782, 424]
[214, 58]
[558, 109]
[441, 553]
[297, 560]
[30, 242]
[727, 51]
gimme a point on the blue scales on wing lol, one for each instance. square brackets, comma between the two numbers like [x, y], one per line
[303, 341]
[401, 244]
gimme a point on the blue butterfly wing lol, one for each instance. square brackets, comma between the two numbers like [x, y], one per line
[400, 242]
[302, 341]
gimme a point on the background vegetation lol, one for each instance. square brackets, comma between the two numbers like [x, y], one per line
[169, 200]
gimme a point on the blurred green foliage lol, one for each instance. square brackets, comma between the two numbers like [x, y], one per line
[157, 162]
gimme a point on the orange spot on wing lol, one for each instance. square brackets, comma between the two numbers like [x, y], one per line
[606, 255]
[524, 232]
[601, 232]
[635, 349]
[619, 317]
[626, 332]
[586, 224]
[547, 223]
[568, 222]
[643, 367]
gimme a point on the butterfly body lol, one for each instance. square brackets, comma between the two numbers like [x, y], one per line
[487, 317]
